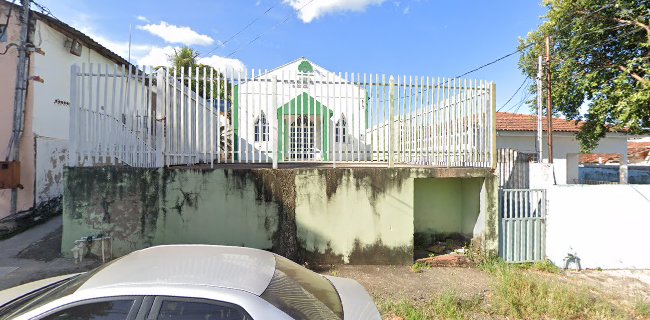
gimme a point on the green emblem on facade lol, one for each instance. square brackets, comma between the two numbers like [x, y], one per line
[305, 67]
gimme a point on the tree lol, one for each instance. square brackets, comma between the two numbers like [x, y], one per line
[600, 57]
[185, 59]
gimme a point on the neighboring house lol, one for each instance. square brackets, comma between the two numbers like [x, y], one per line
[44, 142]
[638, 152]
[519, 132]
[310, 122]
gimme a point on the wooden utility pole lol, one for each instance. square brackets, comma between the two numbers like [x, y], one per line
[540, 106]
[549, 106]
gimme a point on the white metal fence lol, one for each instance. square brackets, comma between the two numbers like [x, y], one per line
[513, 168]
[522, 231]
[151, 117]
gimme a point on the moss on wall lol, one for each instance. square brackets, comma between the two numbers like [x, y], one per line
[320, 215]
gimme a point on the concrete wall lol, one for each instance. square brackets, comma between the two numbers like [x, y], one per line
[444, 206]
[636, 174]
[604, 225]
[358, 216]
[565, 150]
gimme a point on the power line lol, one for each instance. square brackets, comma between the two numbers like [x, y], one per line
[264, 32]
[223, 44]
[514, 94]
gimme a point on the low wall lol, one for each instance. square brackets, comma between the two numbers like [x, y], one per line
[635, 174]
[606, 226]
[320, 215]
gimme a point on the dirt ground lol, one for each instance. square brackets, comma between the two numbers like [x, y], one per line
[399, 282]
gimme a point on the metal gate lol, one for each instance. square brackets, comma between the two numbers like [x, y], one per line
[522, 230]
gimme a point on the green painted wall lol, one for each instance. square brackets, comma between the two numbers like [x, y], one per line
[444, 206]
[321, 215]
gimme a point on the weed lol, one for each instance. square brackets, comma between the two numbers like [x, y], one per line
[419, 267]
[543, 266]
[519, 294]
[642, 309]
[445, 306]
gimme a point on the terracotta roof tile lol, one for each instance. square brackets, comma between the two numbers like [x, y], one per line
[600, 158]
[638, 152]
[524, 122]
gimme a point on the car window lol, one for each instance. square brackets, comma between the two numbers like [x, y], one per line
[302, 293]
[104, 310]
[47, 294]
[193, 310]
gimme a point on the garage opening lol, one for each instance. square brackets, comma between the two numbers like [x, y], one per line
[446, 214]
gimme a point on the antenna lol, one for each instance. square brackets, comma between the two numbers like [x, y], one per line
[129, 59]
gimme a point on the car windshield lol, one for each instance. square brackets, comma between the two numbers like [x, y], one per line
[301, 293]
[46, 294]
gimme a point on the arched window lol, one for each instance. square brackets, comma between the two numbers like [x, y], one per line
[340, 130]
[261, 129]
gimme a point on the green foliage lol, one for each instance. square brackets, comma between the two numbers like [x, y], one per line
[600, 57]
[543, 266]
[521, 295]
[420, 267]
[642, 309]
[445, 306]
[184, 60]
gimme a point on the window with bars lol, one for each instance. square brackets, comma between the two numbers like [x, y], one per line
[302, 138]
[340, 130]
[261, 128]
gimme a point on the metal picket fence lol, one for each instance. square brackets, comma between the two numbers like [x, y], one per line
[153, 117]
[522, 228]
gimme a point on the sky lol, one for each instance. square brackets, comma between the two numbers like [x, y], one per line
[414, 38]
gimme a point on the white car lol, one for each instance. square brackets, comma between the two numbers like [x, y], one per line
[191, 282]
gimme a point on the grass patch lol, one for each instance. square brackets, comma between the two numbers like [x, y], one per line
[518, 293]
[642, 309]
[542, 266]
[523, 295]
[443, 307]
[419, 267]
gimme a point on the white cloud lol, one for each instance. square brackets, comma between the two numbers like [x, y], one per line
[226, 65]
[175, 34]
[142, 18]
[309, 11]
[406, 10]
[156, 56]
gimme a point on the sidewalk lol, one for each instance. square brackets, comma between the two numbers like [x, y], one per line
[36, 254]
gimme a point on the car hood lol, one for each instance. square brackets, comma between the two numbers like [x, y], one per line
[357, 303]
[21, 290]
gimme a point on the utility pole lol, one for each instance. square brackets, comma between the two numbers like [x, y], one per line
[540, 154]
[20, 94]
[549, 106]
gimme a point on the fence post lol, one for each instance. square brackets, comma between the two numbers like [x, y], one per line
[74, 105]
[391, 118]
[161, 109]
[493, 125]
[274, 121]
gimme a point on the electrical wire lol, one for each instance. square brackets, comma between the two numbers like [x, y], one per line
[514, 94]
[266, 31]
[223, 44]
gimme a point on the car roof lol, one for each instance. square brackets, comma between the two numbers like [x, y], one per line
[238, 268]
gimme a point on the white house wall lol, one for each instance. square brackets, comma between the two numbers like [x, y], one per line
[51, 106]
[341, 97]
[565, 150]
